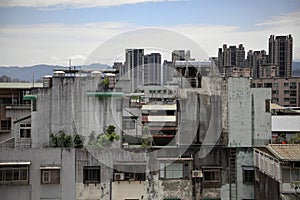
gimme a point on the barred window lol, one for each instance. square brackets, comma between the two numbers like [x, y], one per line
[14, 174]
[211, 175]
[248, 174]
[176, 170]
[91, 174]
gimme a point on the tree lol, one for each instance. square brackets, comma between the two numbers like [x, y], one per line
[295, 139]
[78, 141]
[105, 83]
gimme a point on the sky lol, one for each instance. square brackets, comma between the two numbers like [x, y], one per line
[54, 31]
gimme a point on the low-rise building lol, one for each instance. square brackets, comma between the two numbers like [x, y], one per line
[277, 169]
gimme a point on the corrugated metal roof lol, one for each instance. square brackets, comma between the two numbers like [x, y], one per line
[159, 118]
[288, 197]
[286, 123]
[8, 85]
[285, 152]
[15, 163]
[159, 107]
[275, 106]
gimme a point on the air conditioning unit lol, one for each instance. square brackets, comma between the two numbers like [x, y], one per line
[119, 176]
[197, 174]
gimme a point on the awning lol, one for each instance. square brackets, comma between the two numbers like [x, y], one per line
[159, 118]
[175, 159]
[30, 97]
[15, 163]
[160, 107]
[104, 94]
[50, 167]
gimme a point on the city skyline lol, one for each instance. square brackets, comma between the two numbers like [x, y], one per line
[52, 32]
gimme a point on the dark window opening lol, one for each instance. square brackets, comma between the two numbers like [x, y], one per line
[91, 174]
[211, 175]
[248, 175]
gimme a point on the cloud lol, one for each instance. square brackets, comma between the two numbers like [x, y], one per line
[287, 19]
[20, 44]
[72, 3]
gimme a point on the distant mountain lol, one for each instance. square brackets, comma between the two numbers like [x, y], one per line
[38, 71]
[296, 69]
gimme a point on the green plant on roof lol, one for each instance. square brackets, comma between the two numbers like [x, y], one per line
[61, 139]
[146, 137]
[78, 141]
[104, 140]
[105, 82]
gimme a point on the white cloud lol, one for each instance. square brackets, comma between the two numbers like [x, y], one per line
[71, 3]
[211, 37]
[20, 45]
[287, 19]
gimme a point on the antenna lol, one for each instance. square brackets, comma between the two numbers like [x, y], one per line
[70, 62]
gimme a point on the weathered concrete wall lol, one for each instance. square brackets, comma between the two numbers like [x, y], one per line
[249, 123]
[66, 107]
[262, 129]
[93, 191]
[244, 157]
[239, 112]
[200, 119]
[129, 190]
[181, 189]
[63, 157]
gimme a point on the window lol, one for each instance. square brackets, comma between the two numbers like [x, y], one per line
[290, 175]
[5, 124]
[293, 93]
[211, 175]
[276, 85]
[286, 84]
[293, 85]
[295, 174]
[91, 174]
[267, 105]
[174, 170]
[293, 100]
[286, 175]
[259, 85]
[14, 174]
[50, 176]
[25, 130]
[268, 85]
[248, 174]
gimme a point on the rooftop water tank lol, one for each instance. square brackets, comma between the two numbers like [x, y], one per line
[58, 74]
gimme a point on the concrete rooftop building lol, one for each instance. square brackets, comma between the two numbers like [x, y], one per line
[183, 141]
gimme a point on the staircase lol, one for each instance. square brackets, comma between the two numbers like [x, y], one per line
[232, 174]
